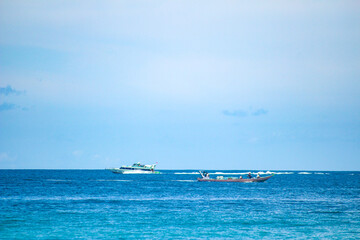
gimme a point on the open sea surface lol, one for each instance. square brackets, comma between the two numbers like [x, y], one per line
[97, 204]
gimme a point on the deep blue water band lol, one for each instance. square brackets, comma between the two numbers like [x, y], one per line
[97, 204]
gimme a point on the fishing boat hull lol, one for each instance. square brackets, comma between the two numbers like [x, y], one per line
[261, 179]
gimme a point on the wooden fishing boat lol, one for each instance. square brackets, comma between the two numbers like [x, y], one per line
[231, 179]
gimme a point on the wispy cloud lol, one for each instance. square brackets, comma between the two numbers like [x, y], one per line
[244, 113]
[259, 112]
[7, 106]
[237, 113]
[9, 90]
[10, 106]
[6, 91]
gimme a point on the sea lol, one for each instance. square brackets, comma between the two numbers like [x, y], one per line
[97, 204]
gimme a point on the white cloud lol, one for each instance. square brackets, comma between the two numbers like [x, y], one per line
[253, 140]
[77, 153]
[4, 157]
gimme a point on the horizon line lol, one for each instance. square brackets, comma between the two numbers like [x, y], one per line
[185, 169]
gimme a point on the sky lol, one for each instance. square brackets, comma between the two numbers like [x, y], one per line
[267, 85]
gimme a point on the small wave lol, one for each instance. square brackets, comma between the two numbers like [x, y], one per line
[276, 173]
[58, 180]
[183, 180]
[186, 173]
[321, 173]
[279, 173]
[304, 173]
[112, 180]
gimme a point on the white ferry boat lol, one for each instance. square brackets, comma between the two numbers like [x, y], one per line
[136, 168]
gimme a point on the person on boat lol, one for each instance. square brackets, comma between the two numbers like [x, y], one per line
[258, 175]
[204, 174]
[249, 175]
[240, 177]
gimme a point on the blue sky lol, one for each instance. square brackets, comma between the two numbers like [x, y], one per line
[188, 84]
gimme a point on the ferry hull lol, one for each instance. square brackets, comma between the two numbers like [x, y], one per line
[261, 179]
[122, 171]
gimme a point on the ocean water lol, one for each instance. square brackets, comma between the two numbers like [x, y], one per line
[97, 204]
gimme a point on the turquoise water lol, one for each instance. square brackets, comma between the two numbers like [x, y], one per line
[97, 204]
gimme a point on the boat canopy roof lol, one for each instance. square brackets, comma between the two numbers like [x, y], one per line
[140, 166]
